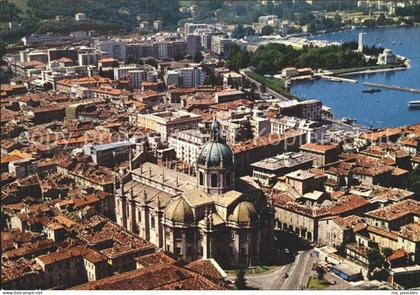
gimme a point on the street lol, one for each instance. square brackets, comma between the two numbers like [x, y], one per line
[298, 275]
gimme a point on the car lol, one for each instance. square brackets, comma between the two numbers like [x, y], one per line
[286, 275]
[333, 282]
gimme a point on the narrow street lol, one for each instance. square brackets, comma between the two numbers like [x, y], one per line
[299, 274]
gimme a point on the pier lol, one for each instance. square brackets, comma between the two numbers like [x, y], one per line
[339, 79]
[394, 87]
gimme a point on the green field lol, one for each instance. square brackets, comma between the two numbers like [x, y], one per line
[275, 84]
[316, 284]
[21, 4]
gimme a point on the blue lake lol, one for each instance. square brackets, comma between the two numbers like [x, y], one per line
[382, 109]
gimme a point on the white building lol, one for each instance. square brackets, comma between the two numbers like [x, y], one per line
[157, 25]
[189, 28]
[89, 58]
[187, 144]
[315, 131]
[79, 17]
[221, 45]
[137, 74]
[387, 57]
[185, 77]
[113, 48]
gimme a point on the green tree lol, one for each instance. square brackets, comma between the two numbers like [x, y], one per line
[263, 88]
[387, 252]
[320, 272]
[179, 56]
[375, 259]
[240, 282]
[152, 62]
[413, 182]
[267, 30]
[198, 57]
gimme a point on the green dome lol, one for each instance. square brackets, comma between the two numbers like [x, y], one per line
[216, 154]
[244, 212]
[179, 211]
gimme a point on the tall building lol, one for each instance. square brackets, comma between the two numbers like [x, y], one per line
[360, 43]
[113, 48]
[193, 44]
[136, 74]
[189, 28]
[185, 77]
[221, 45]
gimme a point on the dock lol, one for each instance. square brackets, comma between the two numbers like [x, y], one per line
[394, 87]
[339, 79]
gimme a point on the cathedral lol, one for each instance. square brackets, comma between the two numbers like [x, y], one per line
[213, 215]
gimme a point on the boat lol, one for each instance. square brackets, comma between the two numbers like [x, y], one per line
[371, 90]
[414, 104]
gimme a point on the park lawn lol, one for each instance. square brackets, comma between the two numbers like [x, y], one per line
[316, 284]
[275, 84]
[21, 4]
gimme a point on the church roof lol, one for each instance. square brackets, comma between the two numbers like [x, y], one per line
[179, 211]
[244, 212]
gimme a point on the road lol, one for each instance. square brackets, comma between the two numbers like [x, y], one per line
[275, 280]
[300, 271]
[268, 90]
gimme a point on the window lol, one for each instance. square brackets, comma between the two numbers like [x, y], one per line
[177, 250]
[213, 180]
[201, 178]
[152, 222]
[139, 216]
[189, 251]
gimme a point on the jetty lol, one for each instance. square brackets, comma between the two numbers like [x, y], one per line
[394, 87]
[339, 79]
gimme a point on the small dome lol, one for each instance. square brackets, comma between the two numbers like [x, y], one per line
[244, 212]
[179, 211]
[216, 154]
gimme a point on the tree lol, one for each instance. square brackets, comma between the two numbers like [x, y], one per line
[320, 272]
[267, 30]
[152, 62]
[263, 88]
[178, 56]
[413, 182]
[198, 57]
[240, 282]
[387, 251]
[375, 259]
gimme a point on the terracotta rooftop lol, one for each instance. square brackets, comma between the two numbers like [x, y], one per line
[155, 259]
[383, 232]
[318, 147]
[374, 136]
[396, 211]
[168, 277]
[348, 203]
[411, 231]
[264, 141]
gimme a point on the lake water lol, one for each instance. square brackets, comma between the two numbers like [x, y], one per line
[381, 109]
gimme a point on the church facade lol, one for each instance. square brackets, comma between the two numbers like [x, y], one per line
[212, 215]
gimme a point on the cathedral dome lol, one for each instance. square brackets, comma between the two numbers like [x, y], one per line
[179, 211]
[215, 153]
[244, 212]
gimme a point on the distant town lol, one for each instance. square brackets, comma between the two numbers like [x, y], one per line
[159, 147]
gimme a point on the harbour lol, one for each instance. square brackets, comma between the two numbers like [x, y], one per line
[385, 108]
